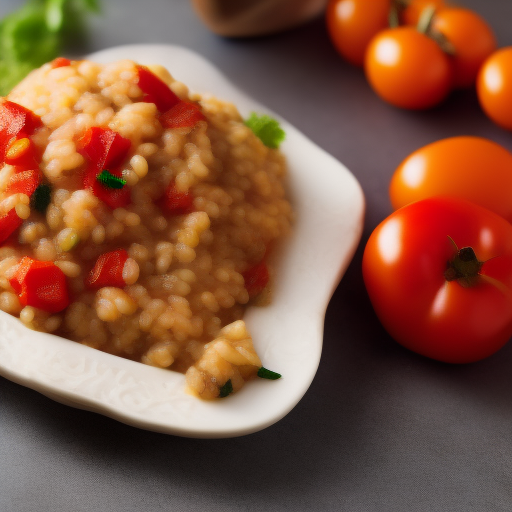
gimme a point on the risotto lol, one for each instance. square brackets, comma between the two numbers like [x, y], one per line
[136, 218]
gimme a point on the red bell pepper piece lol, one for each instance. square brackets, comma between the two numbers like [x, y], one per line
[24, 182]
[9, 223]
[105, 149]
[108, 270]
[177, 203]
[183, 114]
[113, 198]
[256, 279]
[60, 62]
[155, 91]
[15, 119]
[41, 284]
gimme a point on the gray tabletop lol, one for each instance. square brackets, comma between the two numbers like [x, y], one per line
[380, 429]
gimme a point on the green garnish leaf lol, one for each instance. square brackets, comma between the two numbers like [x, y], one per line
[267, 129]
[263, 373]
[226, 390]
[36, 33]
[109, 180]
[41, 198]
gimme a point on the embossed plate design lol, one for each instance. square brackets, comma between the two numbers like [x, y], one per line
[287, 334]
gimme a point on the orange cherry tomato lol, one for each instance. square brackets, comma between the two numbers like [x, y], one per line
[408, 69]
[412, 12]
[494, 87]
[471, 168]
[472, 38]
[351, 24]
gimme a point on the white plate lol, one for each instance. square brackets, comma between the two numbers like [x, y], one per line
[287, 334]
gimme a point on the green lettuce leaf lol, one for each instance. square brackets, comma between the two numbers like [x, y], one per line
[36, 33]
[267, 129]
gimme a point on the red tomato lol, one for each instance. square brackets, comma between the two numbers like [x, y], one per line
[412, 12]
[408, 69]
[351, 25]
[429, 291]
[472, 168]
[494, 87]
[472, 38]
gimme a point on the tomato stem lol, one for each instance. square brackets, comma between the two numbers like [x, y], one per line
[425, 20]
[464, 267]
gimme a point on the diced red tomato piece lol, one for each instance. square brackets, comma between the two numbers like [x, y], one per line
[256, 279]
[41, 284]
[9, 223]
[105, 149]
[24, 182]
[60, 62]
[176, 202]
[155, 91]
[183, 114]
[15, 119]
[108, 270]
[112, 197]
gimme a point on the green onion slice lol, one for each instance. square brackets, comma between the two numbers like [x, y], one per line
[226, 390]
[109, 180]
[263, 373]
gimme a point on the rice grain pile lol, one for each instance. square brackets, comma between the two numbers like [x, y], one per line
[153, 210]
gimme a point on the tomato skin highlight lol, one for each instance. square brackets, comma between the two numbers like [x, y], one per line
[408, 69]
[471, 168]
[404, 263]
[472, 39]
[351, 24]
[494, 87]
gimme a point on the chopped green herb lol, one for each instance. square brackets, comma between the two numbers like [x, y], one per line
[36, 33]
[267, 129]
[109, 180]
[226, 390]
[41, 198]
[263, 373]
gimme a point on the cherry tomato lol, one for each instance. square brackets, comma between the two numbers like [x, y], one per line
[408, 69]
[494, 87]
[412, 12]
[472, 39]
[472, 168]
[439, 275]
[351, 25]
